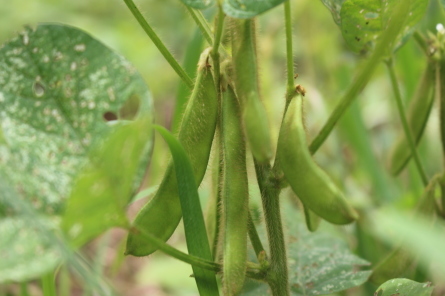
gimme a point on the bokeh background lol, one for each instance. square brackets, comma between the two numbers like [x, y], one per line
[355, 154]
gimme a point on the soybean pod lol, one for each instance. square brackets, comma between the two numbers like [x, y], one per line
[162, 214]
[310, 183]
[245, 72]
[235, 196]
[417, 115]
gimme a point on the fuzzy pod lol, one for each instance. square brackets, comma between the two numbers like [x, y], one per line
[309, 182]
[417, 115]
[245, 72]
[235, 196]
[161, 215]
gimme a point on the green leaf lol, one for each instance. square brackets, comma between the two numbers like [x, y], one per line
[248, 8]
[404, 287]
[25, 253]
[363, 21]
[57, 84]
[105, 186]
[195, 231]
[419, 236]
[335, 7]
[198, 4]
[314, 268]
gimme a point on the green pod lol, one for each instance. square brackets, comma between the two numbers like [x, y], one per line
[417, 115]
[245, 72]
[310, 183]
[235, 196]
[161, 215]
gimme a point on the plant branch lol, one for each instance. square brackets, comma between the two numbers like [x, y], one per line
[254, 237]
[406, 129]
[159, 44]
[277, 275]
[290, 90]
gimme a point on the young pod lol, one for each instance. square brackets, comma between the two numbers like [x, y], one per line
[417, 116]
[162, 214]
[309, 182]
[245, 72]
[235, 196]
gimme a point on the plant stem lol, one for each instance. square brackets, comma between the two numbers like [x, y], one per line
[159, 44]
[290, 90]
[406, 128]
[421, 42]
[23, 289]
[48, 284]
[254, 237]
[277, 275]
[202, 23]
[175, 253]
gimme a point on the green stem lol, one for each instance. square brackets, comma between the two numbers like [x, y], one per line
[48, 284]
[202, 23]
[290, 91]
[23, 289]
[159, 44]
[407, 130]
[254, 237]
[277, 275]
[253, 273]
[175, 253]
[421, 42]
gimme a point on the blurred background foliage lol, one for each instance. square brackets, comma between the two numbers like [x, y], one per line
[355, 154]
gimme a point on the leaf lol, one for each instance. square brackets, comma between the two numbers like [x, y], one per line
[105, 186]
[404, 287]
[56, 85]
[25, 254]
[248, 8]
[363, 21]
[335, 7]
[198, 4]
[318, 262]
[417, 235]
[195, 231]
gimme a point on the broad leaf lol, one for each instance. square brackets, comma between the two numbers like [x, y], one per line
[105, 186]
[25, 253]
[248, 8]
[195, 231]
[57, 84]
[363, 21]
[404, 287]
[198, 4]
[318, 263]
[335, 7]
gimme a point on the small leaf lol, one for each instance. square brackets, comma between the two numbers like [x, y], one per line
[248, 8]
[57, 84]
[104, 188]
[198, 4]
[404, 287]
[195, 231]
[314, 268]
[335, 7]
[363, 21]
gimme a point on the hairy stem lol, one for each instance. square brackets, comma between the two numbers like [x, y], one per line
[277, 275]
[290, 90]
[159, 44]
[406, 129]
[254, 237]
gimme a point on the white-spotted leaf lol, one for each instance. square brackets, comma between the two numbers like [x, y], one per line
[248, 8]
[58, 86]
[363, 21]
[404, 287]
[318, 263]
